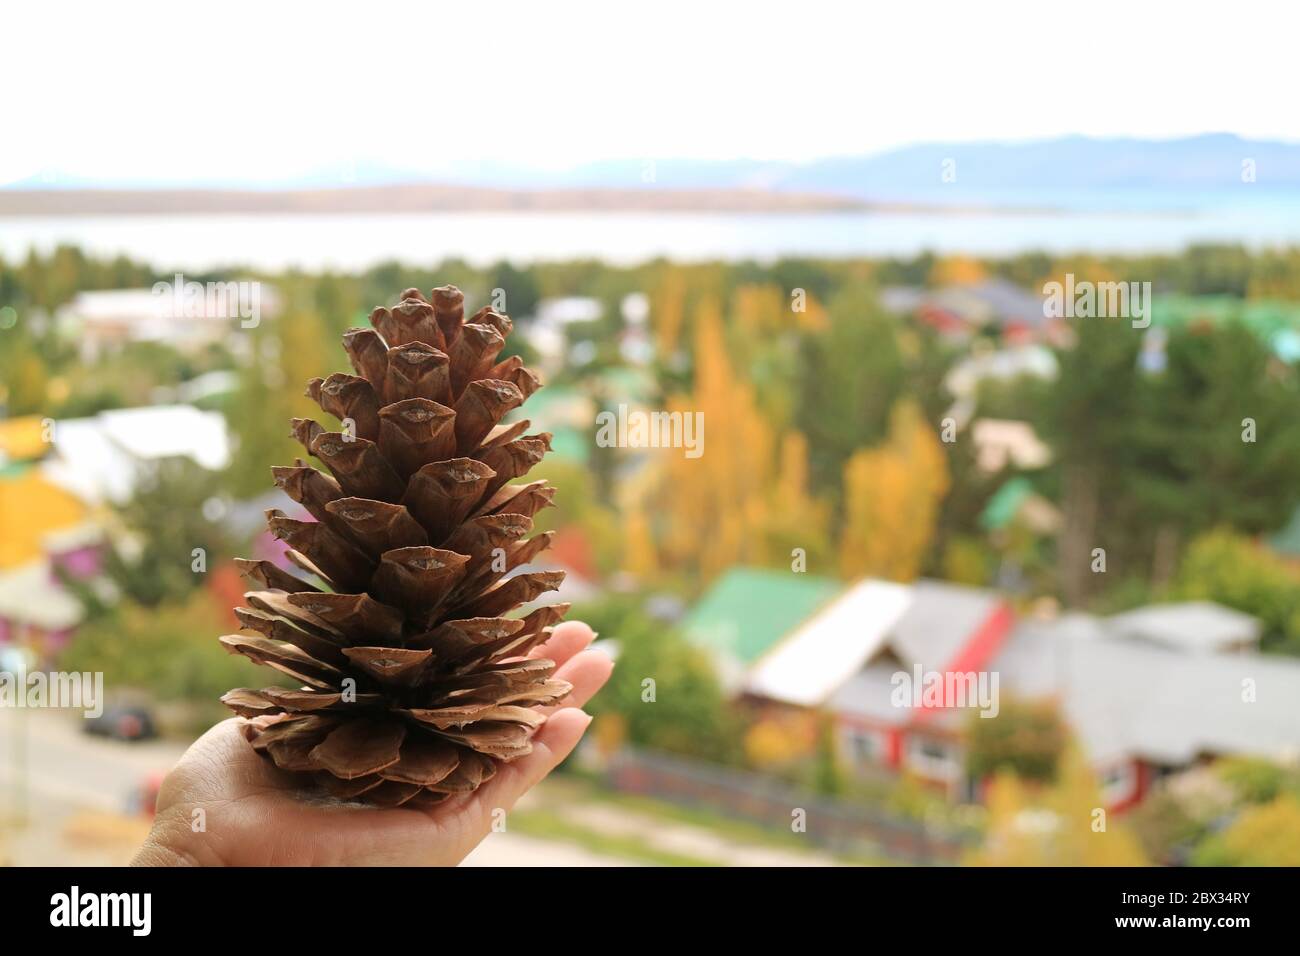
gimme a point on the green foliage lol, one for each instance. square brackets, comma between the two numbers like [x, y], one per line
[1194, 469]
[827, 775]
[1253, 779]
[169, 651]
[851, 375]
[688, 714]
[164, 524]
[1234, 571]
[1165, 828]
[1025, 738]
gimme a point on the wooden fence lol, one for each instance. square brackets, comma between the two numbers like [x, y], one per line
[831, 824]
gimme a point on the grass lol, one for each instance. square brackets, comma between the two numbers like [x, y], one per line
[571, 788]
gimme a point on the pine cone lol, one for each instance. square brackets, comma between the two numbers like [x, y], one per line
[417, 680]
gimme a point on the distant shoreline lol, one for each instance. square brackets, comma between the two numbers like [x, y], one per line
[424, 199]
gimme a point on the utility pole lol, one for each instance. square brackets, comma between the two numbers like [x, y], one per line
[16, 660]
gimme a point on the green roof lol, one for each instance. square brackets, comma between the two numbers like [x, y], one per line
[569, 443]
[1275, 321]
[1005, 503]
[748, 610]
[1287, 541]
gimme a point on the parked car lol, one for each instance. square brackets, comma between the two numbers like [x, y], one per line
[123, 722]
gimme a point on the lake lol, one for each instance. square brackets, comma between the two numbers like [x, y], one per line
[313, 242]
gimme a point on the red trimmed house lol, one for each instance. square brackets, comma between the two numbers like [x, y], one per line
[903, 668]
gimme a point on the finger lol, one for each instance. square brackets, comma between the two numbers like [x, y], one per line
[566, 640]
[555, 741]
[587, 672]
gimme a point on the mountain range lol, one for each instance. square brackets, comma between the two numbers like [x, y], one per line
[1045, 172]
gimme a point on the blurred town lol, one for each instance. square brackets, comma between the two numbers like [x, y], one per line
[906, 468]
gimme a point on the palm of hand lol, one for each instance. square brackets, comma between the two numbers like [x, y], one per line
[254, 814]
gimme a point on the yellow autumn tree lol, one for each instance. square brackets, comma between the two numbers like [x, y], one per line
[892, 496]
[1264, 835]
[668, 310]
[745, 498]
[1064, 825]
[796, 519]
[715, 500]
[957, 270]
[1088, 835]
[638, 541]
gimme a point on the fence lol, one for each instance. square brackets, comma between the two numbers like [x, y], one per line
[831, 824]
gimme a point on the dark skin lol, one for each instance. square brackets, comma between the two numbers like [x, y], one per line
[257, 815]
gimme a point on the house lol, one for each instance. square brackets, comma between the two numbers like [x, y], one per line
[1001, 443]
[1001, 365]
[844, 659]
[47, 532]
[959, 311]
[547, 331]
[54, 498]
[101, 458]
[1143, 709]
[747, 611]
[1017, 505]
[1191, 627]
[102, 322]
[1146, 693]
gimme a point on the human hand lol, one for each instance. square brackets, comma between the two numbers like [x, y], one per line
[258, 815]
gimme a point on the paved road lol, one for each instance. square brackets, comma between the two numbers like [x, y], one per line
[48, 751]
[66, 780]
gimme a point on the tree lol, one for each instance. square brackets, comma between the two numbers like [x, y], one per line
[1089, 422]
[1219, 438]
[169, 651]
[663, 691]
[287, 353]
[850, 376]
[892, 498]
[1065, 825]
[747, 488]
[519, 287]
[1025, 738]
[1233, 570]
[1264, 835]
[167, 530]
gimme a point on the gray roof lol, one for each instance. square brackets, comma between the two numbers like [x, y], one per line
[938, 623]
[867, 694]
[1008, 301]
[1191, 626]
[1126, 698]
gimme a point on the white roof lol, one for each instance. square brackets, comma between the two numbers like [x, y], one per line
[98, 458]
[120, 305]
[831, 647]
[29, 594]
[999, 441]
[574, 308]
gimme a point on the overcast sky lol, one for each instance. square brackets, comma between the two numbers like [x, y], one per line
[165, 92]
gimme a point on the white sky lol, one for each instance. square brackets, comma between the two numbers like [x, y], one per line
[172, 92]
